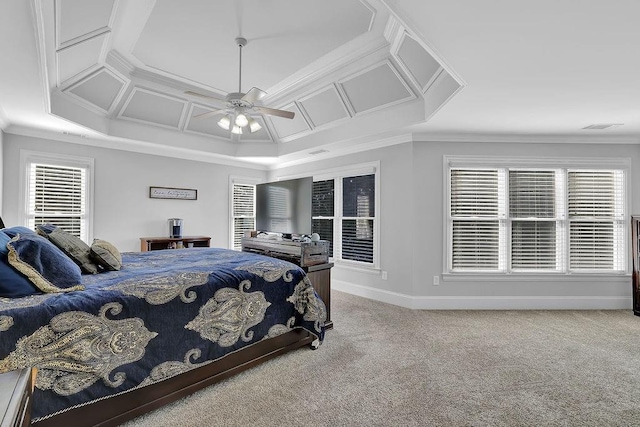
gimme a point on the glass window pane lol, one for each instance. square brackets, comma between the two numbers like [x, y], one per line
[357, 240]
[322, 201]
[476, 245]
[324, 227]
[474, 192]
[592, 245]
[533, 245]
[358, 196]
[532, 194]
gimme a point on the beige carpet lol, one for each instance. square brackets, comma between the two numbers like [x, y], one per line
[384, 365]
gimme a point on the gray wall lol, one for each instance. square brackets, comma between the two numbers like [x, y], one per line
[411, 217]
[412, 234]
[123, 211]
[1, 170]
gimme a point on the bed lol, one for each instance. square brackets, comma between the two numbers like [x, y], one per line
[165, 325]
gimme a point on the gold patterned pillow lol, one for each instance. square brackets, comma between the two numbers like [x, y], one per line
[106, 255]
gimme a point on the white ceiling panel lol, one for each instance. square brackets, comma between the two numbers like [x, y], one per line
[79, 57]
[100, 89]
[76, 19]
[156, 108]
[324, 107]
[419, 64]
[376, 87]
[197, 43]
[289, 127]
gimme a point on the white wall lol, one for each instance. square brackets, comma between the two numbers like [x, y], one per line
[412, 233]
[123, 211]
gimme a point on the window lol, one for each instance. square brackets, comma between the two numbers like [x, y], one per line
[529, 217]
[322, 210]
[243, 214]
[57, 190]
[344, 213]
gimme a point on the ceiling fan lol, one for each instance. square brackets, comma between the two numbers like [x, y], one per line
[239, 105]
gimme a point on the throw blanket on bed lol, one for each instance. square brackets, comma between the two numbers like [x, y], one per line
[164, 313]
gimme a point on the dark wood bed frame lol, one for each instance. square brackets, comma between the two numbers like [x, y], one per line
[118, 409]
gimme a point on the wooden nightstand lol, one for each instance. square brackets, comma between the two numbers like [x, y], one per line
[16, 388]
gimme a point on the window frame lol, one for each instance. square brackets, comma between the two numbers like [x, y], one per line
[337, 174]
[240, 180]
[28, 157]
[568, 164]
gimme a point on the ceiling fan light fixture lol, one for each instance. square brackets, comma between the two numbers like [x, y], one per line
[236, 130]
[254, 126]
[241, 120]
[225, 122]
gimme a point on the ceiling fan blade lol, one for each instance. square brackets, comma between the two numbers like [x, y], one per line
[254, 95]
[274, 112]
[208, 114]
[192, 93]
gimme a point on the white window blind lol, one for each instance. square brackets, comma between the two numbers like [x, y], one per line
[58, 195]
[597, 220]
[244, 216]
[533, 212]
[524, 219]
[476, 208]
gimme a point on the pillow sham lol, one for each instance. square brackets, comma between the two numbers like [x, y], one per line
[12, 283]
[71, 245]
[106, 255]
[46, 266]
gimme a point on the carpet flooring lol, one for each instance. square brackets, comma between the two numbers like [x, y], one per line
[384, 365]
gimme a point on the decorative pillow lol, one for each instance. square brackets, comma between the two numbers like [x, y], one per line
[106, 255]
[13, 231]
[71, 245]
[46, 266]
[12, 283]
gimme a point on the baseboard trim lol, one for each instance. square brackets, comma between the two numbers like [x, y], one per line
[486, 302]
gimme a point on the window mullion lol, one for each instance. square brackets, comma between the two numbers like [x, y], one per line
[337, 225]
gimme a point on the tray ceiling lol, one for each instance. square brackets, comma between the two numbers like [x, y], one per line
[111, 61]
[92, 68]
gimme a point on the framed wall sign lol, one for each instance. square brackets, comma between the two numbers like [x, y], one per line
[173, 193]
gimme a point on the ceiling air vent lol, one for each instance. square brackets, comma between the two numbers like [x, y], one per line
[603, 126]
[315, 153]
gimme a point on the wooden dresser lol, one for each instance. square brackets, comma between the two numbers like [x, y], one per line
[16, 388]
[157, 243]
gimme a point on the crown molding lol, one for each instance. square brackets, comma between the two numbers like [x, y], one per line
[347, 147]
[135, 146]
[526, 139]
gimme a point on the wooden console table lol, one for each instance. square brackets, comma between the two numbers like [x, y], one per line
[157, 243]
[15, 398]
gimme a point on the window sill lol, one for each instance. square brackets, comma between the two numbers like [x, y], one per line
[533, 277]
[357, 267]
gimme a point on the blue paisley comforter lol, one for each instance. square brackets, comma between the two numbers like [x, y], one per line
[164, 313]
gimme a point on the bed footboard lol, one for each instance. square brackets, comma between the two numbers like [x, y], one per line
[118, 409]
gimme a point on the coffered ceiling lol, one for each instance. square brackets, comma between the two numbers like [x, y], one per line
[354, 72]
